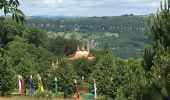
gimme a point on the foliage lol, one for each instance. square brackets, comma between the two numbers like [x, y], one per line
[11, 6]
[133, 80]
[26, 58]
[7, 74]
[158, 25]
[9, 29]
[46, 94]
[63, 46]
[36, 36]
[66, 75]
[151, 85]
[121, 79]
[103, 73]
[124, 34]
[147, 59]
[88, 24]
[60, 95]
[21, 59]
[160, 72]
[43, 58]
[83, 67]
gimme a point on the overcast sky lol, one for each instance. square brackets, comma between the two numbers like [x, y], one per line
[88, 7]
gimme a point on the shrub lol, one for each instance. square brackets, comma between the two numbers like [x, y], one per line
[45, 94]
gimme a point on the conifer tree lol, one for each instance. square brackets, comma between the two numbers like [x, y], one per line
[147, 59]
[159, 68]
[158, 31]
[158, 25]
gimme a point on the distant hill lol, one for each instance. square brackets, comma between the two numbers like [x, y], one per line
[124, 34]
[51, 17]
[83, 24]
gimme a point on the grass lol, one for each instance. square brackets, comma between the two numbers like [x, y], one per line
[29, 98]
[37, 96]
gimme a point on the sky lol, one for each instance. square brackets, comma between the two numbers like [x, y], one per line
[88, 7]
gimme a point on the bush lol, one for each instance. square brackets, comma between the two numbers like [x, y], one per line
[7, 94]
[59, 95]
[45, 94]
[102, 97]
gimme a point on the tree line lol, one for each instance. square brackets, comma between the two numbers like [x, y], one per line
[83, 24]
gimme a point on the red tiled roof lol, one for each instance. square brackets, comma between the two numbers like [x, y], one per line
[80, 54]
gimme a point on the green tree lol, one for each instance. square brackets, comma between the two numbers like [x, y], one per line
[10, 29]
[21, 60]
[83, 67]
[36, 36]
[147, 59]
[131, 80]
[156, 81]
[7, 74]
[43, 58]
[158, 76]
[161, 72]
[63, 46]
[158, 25]
[29, 59]
[11, 6]
[103, 73]
[65, 74]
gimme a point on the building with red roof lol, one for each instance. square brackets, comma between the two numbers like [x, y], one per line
[82, 53]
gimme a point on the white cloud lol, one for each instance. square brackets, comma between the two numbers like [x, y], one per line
[88, 7]
[52, 1]
[45, 1]
[139, 1]
[155, 4]
[132, 1]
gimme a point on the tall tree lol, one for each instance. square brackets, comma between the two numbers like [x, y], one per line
[158, 25]
[36, 36]
[158, 77]
[65, 74]
[130, 79]
[61, 45]
[103, 73]
[159, 32]
[83, 67]
[161, 72]
[7, 74]
[147, 59]
[10, 29]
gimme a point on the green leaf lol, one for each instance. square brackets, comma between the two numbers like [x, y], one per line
[1, 6]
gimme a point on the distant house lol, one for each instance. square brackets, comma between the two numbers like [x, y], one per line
[82, 53]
